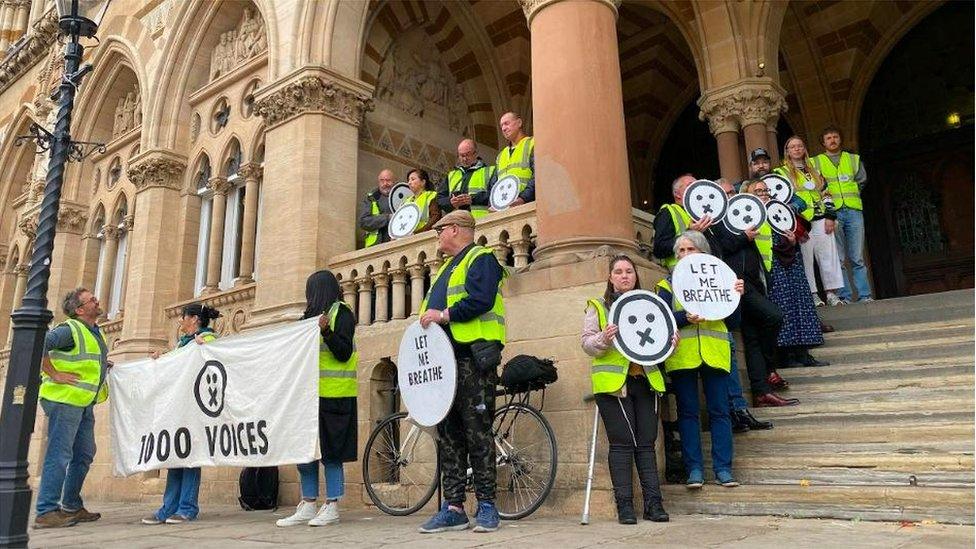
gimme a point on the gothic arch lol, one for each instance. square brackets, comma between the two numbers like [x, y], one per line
[15, 164]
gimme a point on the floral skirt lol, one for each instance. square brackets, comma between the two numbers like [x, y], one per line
[791, 292]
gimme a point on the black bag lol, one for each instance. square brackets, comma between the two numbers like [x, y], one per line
[259, 488]
[525, 372]
[487, 356]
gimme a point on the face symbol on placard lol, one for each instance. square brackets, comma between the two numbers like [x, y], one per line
[398, 195]
[704, 197]
[504, 192]
[745, 212]
[779, 188]
[404, 221]
[780, 217]
[209, 389]
[645, 327]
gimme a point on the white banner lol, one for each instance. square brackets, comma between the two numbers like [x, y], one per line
[248, 400]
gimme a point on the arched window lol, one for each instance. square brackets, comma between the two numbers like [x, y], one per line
[117, 293]
[230, 262]
[201, 178]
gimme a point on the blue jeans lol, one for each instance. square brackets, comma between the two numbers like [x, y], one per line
[182, 491]
[716, 386]
[70, 451]
[849, 235]
[335, 479]
[736, 400]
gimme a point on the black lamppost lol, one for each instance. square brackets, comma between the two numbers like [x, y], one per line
[31, 320]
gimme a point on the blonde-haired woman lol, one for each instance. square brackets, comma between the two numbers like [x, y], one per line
[818, 211]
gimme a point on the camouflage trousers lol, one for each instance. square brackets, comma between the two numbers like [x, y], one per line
[465, 435]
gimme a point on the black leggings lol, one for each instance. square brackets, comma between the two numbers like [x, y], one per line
[631, 426]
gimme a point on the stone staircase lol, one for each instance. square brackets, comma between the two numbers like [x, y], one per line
[884, 433]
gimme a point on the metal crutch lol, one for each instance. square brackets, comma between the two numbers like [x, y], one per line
[585, 519]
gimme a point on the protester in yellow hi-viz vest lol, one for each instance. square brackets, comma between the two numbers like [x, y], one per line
[74, 373]
[424, 198]
[180, 499]
[672, 220]
[518, 158]
[337, 402]
[845, 176]
[703, 351]
[374, 211]
[466, 186]
[627, 396]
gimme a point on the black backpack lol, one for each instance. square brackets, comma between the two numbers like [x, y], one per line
[259, 488]
[526, 372]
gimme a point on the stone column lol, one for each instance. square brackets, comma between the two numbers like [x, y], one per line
[155, 252]
[127, 223]
[349, 293]
[520, 252]
[19, 271]
[21, 19]
[7, 12]
[251, 172]
[772, 139]
[219, 186]
[382, 282]
[399, 278]
[365, 285]
[578, 120]
[416, 287]
[111, 235]
[311, 153]
[68, 254]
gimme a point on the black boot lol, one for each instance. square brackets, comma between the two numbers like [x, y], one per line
[739, 424]
[754, 424]
[807, 359]
[625, 511]
[654, 511]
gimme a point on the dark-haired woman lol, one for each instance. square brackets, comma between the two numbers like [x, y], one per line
[424, 198]
[183, 484]
[627, 397]
[337, 402]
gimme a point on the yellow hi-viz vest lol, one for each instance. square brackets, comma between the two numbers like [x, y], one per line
[477, 183]
[681, 221]
[517, 162]
[373, 237]
[423, 202]
[812, 198]
[764, 243]
[490, 326]
[336, 379]
[840, 179]
[703, 343]
[609, 372]
[84, 359]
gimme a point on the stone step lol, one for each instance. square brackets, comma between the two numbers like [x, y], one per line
[897, 367]
[840, 421]
[909, 310]
[955, 427]
[946, 324]
[956, 346]
[946, 379]
[759, 473]
[954, 399]
[896, 334]
[887, 503]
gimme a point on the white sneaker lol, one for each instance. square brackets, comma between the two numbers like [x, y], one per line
[303, 513]
[328, 514]
[817, 302]
[834, 301]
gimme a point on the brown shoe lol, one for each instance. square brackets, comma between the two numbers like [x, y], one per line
[777, 382]
[770, 400]
[55, 519]
[83, 515]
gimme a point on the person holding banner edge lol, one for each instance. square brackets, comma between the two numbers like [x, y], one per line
[627, 396]
[73, 380]
[337, 402]
[703, 351]
[181, 496]
[465, 298]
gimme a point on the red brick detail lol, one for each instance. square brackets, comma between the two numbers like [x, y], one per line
[861, 35]
[645, 103]
[452, 39]
[517, 82]
[371, 53]
[840, 90]
[442, 19]
[508, 28]
[465, 68]
[814, 8]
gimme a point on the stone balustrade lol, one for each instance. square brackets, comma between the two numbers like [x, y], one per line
[234, 305]
[111, 331]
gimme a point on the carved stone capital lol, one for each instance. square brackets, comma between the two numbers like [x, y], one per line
[111, 232]
[251, 171]
[28, 226]
[21, 270]
[157, 168]
[315, 91]
[747, 102]
[128, 221]
[219, 185]
[72, 219]
[533, 7]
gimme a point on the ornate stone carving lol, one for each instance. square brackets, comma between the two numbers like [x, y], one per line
[28, 226]
[71, 219]
[156, 169]
[128, 113]
[753, 101]
[532, 7]
[314, 94]
[250, 170]
[415, 79]
[237, 46]
[219, 185]
[128, 221]
[35, 45]
[21, 269]
[721, 114]
[111, 232]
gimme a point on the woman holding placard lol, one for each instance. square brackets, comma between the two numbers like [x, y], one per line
[703, 351]
[424, 198]
[337, 402]
[627, 398]
[183, 484]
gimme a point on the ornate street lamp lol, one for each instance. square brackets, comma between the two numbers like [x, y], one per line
[77, 19]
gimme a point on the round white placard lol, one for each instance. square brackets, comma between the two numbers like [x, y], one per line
[705, 286]
[780, 217]
[705, 197]
[398, 195]
[645, 326]
[745, 211]
[504, 192]
[426, 373]
[779, 187]
[404, 221]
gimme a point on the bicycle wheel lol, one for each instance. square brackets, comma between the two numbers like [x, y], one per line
[400, 468]
[526, 460]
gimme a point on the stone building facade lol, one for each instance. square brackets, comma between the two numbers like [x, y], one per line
[242, 135]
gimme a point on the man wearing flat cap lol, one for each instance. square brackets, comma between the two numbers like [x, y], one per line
[465, 298]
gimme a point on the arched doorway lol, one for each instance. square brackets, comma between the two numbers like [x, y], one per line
[916, 137]
[689, 148]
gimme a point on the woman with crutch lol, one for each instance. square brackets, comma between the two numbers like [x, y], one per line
[627, 397]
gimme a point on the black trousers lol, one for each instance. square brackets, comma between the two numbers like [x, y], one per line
[631, 427]
[466, 435]
[761, 321]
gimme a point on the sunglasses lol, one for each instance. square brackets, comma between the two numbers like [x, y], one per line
[440, 229]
